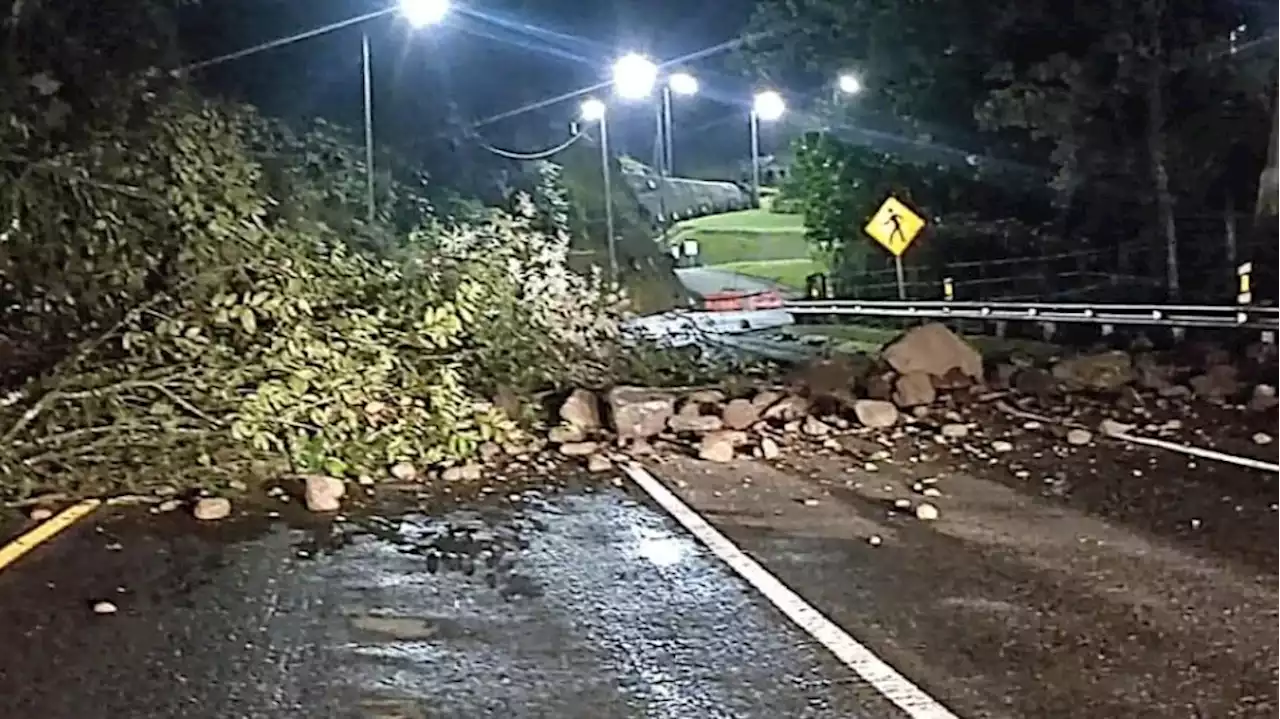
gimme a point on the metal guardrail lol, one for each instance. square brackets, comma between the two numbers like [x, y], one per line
[1213, 316]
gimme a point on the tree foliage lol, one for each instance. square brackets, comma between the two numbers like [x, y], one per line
[191, 295]
[1122, 123]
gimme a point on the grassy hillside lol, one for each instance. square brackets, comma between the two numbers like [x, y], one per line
[754, 242]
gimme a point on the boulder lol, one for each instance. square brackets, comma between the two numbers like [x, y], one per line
[740, 414]
[696, 424]
[1263, 398]
[765, 399]
[639, 413]
[598, 463]
[934, 350]
[880, 386]
[769, 449]
[717, 447]
[1218, 382]
[1103, 371]
[323, 494]
[1035, 381]
[790, 407]
[706, 396]
[815, 427]
[580, 409]
[875, 413]
[914, 389]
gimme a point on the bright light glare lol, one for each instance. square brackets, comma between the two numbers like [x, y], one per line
[634, 76]
[849, 84]
[592, 110]
[420, 13]
[769, 105]
[682, 83]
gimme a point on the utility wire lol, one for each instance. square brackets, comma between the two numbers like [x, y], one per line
[279, 42]
[531, 156]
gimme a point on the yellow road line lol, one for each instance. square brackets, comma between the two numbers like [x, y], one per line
[14, 550]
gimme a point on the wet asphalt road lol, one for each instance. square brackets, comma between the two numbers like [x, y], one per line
[585, 604]
[1013, 604]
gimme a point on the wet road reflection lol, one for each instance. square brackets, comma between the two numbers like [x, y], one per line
[572, 605]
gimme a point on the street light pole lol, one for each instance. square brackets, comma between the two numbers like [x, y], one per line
[607, 174]
[370, 203]
[755, 158]
[669, 145]
[594, 110]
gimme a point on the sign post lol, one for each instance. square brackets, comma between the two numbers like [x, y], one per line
[895, 226]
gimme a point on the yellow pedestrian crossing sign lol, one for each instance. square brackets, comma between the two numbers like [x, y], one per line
[894, 225]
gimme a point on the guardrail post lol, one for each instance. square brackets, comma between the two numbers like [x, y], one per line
[1047, 330]
[948, 289]
[1244, 275]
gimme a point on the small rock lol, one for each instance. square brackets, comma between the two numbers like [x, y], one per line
[788, 409]
[1105, 371]
[1032, 426]
[931, 492]
[639, 413]
[404, 471]
[740, 414]
[168, 505]
[40, 514]
[874, 540]
[697, 424]
[716, 447]
[765, 399]
[954, 430]
[579, 449]
[815, 427]
[875, 413]
[323, 494]
[566, 434]
[903, 504]
[1262, 438]
[1263, 398]
[1079, 437]
[104, 608]
[451, 474]
[210, 509]
[598, 463]
[1001, 446]
[769, 449]
[580, 409]
[706, 396]
[1112, 428]
[926, 512]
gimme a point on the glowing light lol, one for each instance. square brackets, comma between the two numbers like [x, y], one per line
[849, 84]
[682, 83]
[634, 76]
[769, 106]
[420, 13]
[592, 110]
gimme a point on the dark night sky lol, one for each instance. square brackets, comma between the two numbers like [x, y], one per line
[491, 57]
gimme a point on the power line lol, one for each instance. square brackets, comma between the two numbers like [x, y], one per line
[531, 156]
[281, 41]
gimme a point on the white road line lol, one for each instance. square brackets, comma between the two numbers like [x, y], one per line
[885, 679]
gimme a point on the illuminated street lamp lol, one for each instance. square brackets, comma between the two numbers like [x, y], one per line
[848, 84]
[419, 14]
[678, 83]
[594, 110]
[768, 106]
[634, 76]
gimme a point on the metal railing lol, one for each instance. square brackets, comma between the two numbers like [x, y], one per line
[1218, 316]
